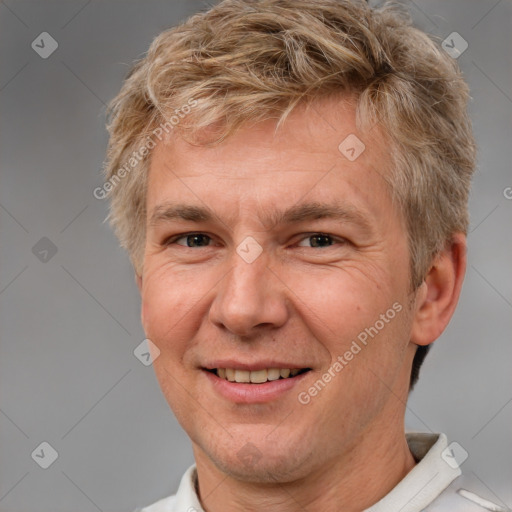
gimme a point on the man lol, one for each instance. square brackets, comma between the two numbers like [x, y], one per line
[290, 178]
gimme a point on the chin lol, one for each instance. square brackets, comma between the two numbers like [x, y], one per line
[261, 460]
[286, 469]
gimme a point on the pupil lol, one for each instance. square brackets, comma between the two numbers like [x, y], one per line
[324, 240]
[195, 240]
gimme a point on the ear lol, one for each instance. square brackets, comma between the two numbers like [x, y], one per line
[437, 297]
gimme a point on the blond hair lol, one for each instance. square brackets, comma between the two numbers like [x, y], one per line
[251, 60]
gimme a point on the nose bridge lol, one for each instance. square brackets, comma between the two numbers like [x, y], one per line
[248, 295]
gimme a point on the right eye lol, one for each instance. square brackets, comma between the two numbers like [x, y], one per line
[190, 240]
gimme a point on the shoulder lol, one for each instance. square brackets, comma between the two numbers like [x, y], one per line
[458, 498]
[163, 505]
[185, 499]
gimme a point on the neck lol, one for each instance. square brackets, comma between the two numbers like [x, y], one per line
[374, 465]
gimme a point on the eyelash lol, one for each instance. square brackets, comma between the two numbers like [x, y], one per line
[174, 239]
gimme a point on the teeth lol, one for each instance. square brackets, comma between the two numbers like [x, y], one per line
[257, 376]
[273, 374]
[242, 376]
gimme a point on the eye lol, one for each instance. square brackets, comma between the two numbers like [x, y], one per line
[319, 240]
[191, 240]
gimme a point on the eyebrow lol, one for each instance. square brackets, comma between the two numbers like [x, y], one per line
[295, 214]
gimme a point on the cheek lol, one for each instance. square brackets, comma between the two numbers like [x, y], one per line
[341, 302]
[342, 310]
[144, 314]
[167, 311]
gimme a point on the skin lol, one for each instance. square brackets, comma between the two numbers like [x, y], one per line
[296, 302]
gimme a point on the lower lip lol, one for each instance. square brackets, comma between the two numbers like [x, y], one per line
[243, 393]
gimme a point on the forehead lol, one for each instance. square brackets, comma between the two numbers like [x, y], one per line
[318, 152]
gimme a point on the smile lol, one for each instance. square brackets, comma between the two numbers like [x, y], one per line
[257, 376]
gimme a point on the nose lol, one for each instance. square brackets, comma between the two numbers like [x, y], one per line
[249, 298]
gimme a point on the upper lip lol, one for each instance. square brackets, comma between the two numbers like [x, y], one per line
[254, 366]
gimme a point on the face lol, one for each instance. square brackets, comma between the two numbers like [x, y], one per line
[268, 253]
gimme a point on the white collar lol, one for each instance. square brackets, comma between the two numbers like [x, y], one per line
[426, 481]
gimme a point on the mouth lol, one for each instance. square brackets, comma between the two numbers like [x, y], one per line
[257, 376]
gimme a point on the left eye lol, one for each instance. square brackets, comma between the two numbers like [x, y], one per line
[317, 240]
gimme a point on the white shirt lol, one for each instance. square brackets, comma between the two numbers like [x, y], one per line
[433, 485]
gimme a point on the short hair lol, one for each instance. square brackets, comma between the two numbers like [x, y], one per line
[254, 60]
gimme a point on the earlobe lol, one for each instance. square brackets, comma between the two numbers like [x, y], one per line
[437, 297]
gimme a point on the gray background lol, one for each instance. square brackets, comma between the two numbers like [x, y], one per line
[69, 326]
